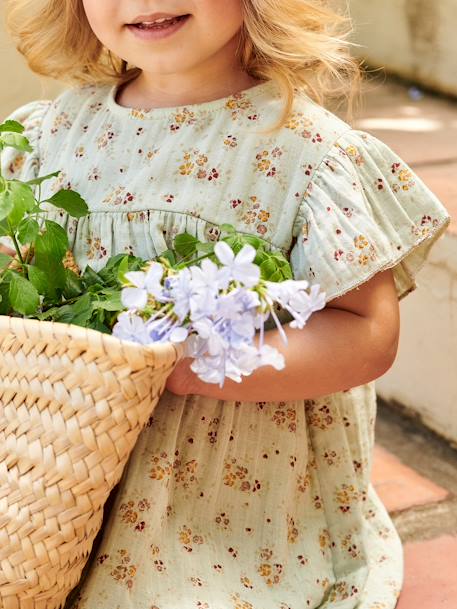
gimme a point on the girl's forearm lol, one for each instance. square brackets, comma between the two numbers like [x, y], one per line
[335, 351]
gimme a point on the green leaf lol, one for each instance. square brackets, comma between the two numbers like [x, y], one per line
[5, 260]
[122, 269]
[15, 140]
[6, 203]
[58, 238]
[38, 278]
[5, 305]
[23, 295]
[227, 228]
[50, 248]
[23, 201]
[41, 179]
[82, 310]
[113, 303]
[27, 230]
[205, 248]
[90, 277]
[73, 284]
[268, 268]
[11, 126]
[71, 202]
[185, 244]
[168, 255]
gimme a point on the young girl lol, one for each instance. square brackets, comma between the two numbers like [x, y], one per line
[187, 114]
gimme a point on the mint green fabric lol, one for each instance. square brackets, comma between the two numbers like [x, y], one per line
[239, 505]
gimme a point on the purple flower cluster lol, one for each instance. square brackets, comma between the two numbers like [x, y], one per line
[216, 309]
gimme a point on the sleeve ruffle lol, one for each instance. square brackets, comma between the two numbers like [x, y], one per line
[17, 165]
[364, 211]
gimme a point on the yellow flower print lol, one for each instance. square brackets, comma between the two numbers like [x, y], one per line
[263, 215]
[231, 141]
[405, 175]
[301, 124]
[303, 482]
[161, 468]
[324, 540]
[270, 571]
[238, 104]
[95, 248]
[348, 544]
[345, 496]
[196, 164]
[292, 530]
[106, 138]
[236, 476]
[201, 160]
[185, 117]
[124, 572]
[62, 120]
[16, 165]
[186, 168]
[364, 259]
[80, 152]
[188, 539]
[246, 582]
[361, 242]
[238, 603]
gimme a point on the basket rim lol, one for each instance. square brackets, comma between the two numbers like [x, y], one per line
[100, 342]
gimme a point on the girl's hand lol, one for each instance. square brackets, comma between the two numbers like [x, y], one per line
[182, 381]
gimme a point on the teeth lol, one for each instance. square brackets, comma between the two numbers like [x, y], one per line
[162, 20]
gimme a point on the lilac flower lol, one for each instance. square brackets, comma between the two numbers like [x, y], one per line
[145, 283]
[131, 327]
[240, 267]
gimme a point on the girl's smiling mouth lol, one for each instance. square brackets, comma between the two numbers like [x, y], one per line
[157, 25]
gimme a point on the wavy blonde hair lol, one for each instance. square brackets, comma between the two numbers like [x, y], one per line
[301, 44]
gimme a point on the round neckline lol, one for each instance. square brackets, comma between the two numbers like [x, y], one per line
[161, 112]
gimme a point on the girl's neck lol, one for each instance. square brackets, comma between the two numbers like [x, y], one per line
[139, 94]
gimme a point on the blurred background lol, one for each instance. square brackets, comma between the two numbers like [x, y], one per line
[409, 48]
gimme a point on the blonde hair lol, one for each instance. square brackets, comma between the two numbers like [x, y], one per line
[302, 45]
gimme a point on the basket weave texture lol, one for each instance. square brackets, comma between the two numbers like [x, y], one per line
[73, 402]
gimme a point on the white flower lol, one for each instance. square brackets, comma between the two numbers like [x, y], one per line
[145, 283]
[130, 327]
[241, 266]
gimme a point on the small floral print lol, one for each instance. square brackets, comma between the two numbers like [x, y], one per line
[106, 138]
[317, 415]
[61, 121]
[345, 496]
[231, 141]
[188, 539]
[196, 164]
[350, 546]
[292, 530]
[237, 477]
[238, 603]
[270, 571]
[184, 118]
[300, 124]
[124, 572]
[238, 104]
[285, 417]
[96, 250]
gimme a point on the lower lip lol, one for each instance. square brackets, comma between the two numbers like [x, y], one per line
[158, 33]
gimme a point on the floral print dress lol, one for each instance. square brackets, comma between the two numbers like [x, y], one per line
[240, 505]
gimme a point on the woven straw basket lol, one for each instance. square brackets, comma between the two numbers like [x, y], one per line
[73, 402]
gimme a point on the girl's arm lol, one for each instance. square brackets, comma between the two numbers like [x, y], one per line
[351, 342]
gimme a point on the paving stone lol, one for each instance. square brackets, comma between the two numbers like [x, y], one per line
[430, 574]
[400, 487]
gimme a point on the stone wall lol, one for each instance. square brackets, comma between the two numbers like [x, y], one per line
[415, 39]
